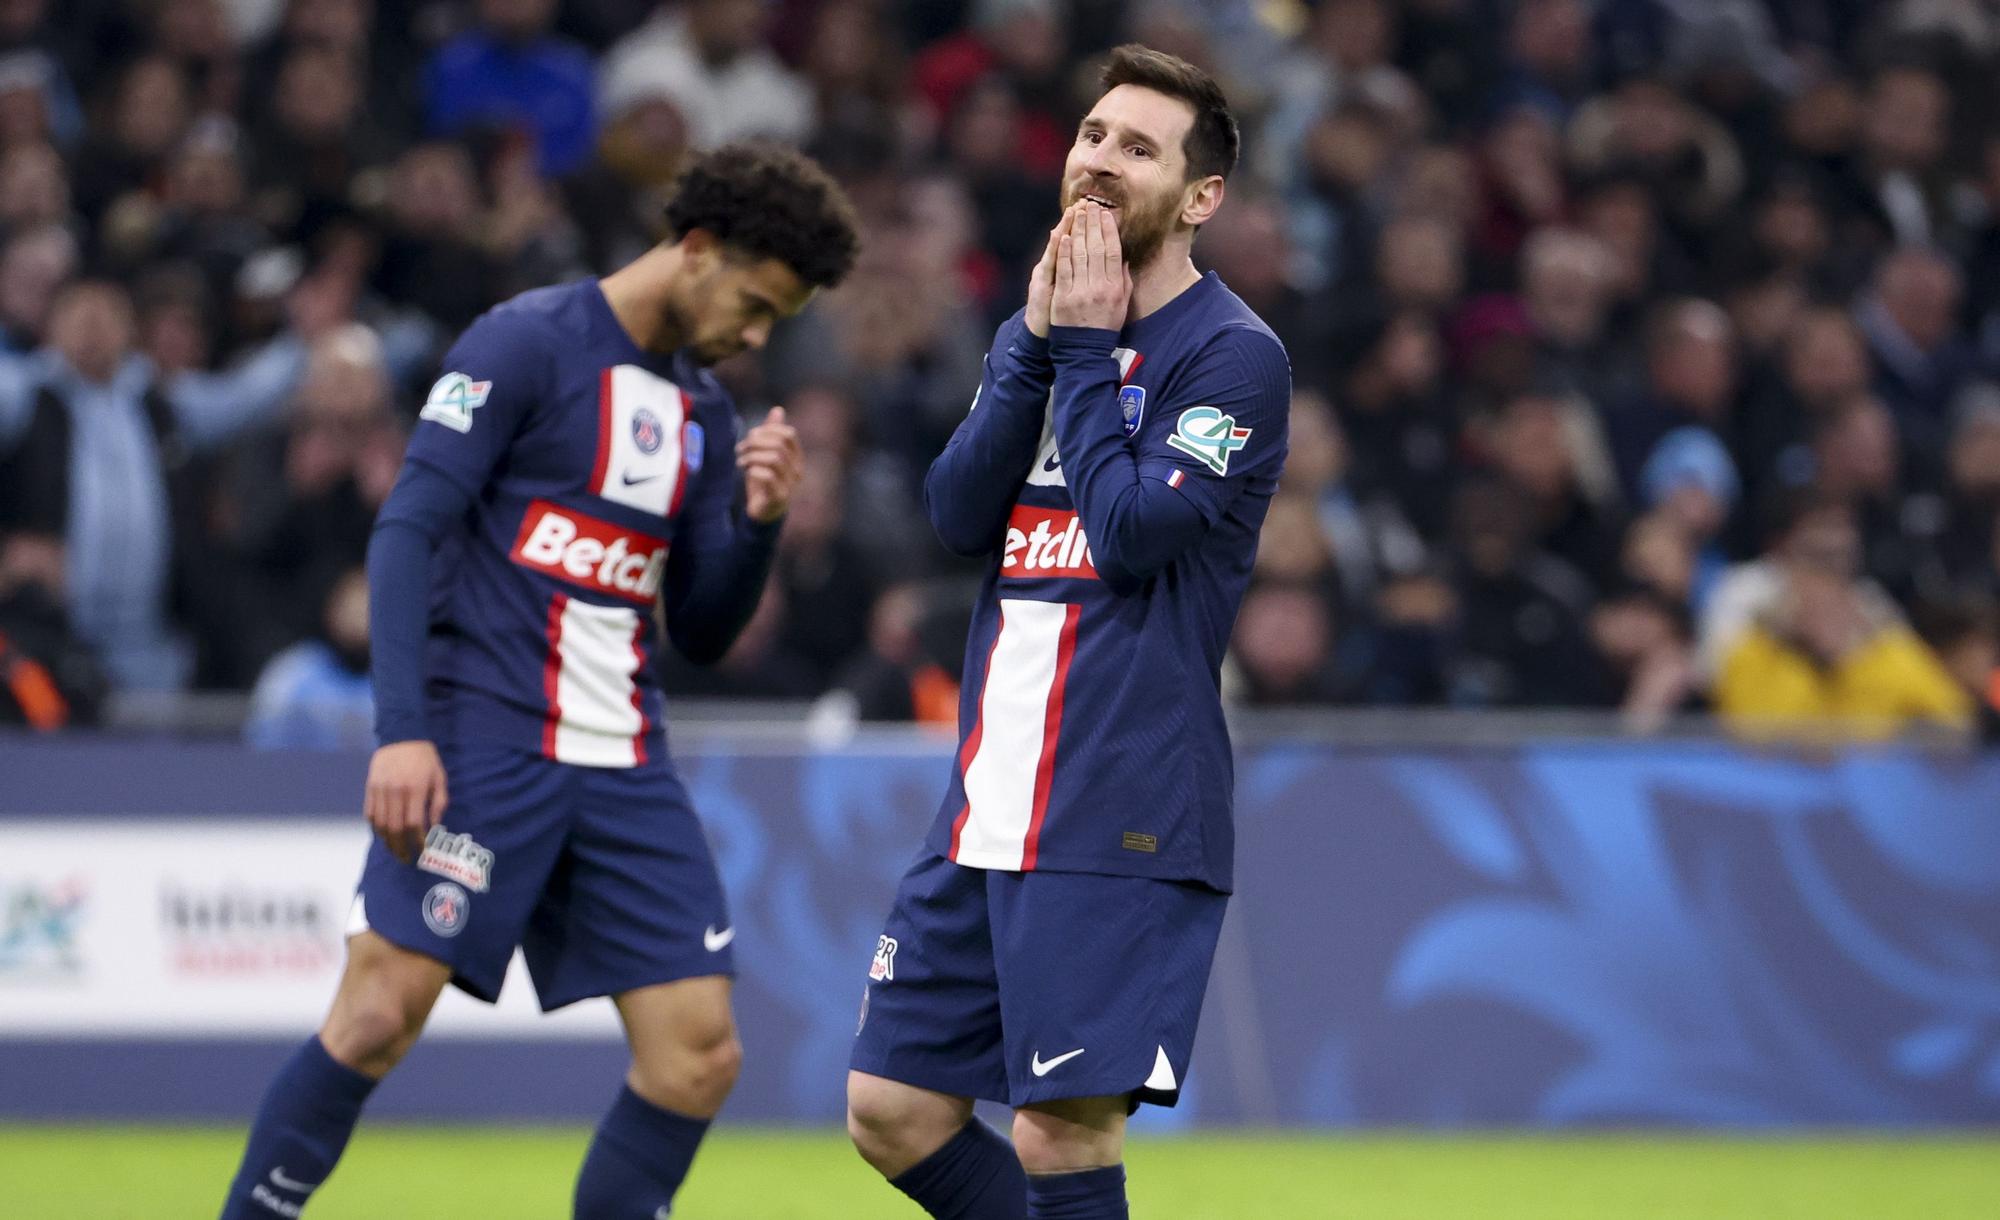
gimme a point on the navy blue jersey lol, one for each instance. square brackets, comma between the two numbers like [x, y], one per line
[1091, 727]
[597, 472]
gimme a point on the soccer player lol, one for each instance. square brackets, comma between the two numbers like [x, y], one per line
[1050, 945]
[571, 490]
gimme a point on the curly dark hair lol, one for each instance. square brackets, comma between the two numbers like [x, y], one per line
[771, 202]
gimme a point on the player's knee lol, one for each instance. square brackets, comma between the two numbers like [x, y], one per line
[696, 1074]
[372, 1029]
[894, 1126]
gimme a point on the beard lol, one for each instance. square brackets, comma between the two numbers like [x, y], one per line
[1143, 224]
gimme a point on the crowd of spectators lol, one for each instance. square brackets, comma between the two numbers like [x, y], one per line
[1646, 352]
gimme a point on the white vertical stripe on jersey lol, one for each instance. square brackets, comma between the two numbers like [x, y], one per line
[596, 665]
[1013, 705]
[633, 477]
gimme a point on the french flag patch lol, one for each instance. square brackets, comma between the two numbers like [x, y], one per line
[1177, 478]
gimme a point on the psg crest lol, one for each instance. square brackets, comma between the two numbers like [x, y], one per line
[1131, 407]
[647, 431]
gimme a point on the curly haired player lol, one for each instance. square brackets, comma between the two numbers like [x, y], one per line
[575, 486]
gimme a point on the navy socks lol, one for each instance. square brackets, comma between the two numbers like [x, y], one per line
[975, 1176]
[636, 1161]
[307, 1114]
[1092, 1194]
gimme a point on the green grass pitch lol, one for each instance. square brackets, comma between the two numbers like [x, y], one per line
[141, 1173]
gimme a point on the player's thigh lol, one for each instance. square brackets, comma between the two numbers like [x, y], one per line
[385, 995]
[1072, 1134]
[1101, 982]
[635, 900]
[930, 1004]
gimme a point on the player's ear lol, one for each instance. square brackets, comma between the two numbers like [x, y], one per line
[700, 251]
[1201, 200]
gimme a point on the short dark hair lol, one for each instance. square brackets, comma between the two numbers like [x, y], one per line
[1213, 141]
[771, 202]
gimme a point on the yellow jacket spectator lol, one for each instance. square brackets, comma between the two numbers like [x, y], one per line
[1822, 663]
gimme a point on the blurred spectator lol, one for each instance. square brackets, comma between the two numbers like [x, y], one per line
[1823, 658]
[1910, 319]
[307, 149]
[1811, 532]
[1645, 657]
[151, 114]
[1537, 445]
[1966, 636]
[1021, 46]
[1520, 612]
[302, 505]
[1691, 379]
[1284, 648]
[49, 679]
[1957, 551]
[823, 576]
[106, 464]
[1566, 284]
[708, 58]
[316, 694]
[909, 670]
[1690, 482]
[508, 72]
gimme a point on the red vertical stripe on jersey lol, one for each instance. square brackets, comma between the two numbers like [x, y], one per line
[1138, 358]
[1045, 771]
[639, 696]
[552, 673]
[681, 472]
[967, 751]
[603, 464]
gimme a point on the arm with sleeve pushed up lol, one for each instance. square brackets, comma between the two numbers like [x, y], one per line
[973, 483]
[717, 568]
[423, 505]
[1138, 515]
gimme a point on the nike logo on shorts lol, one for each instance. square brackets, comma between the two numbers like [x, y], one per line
[716, 942]
[1042, 1068]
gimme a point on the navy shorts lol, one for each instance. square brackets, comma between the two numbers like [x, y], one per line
[1032, 987]
[601, 875]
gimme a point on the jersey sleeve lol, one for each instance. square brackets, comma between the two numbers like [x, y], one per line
[1226, 423]
[720, 558]
[972, 485]
[495, 377]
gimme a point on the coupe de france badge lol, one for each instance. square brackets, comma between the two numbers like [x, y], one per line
[1131, 407]
[453, 399]
[1208, 436]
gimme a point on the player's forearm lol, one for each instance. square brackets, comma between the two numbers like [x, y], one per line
[713, 591]
[1136, 525]
[422, 506]
[399, 556]
[972, 484]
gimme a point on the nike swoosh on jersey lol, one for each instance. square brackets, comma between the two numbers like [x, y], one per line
[1053, 462]
[715, 941]
[1041, 1067]
[632, 482]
